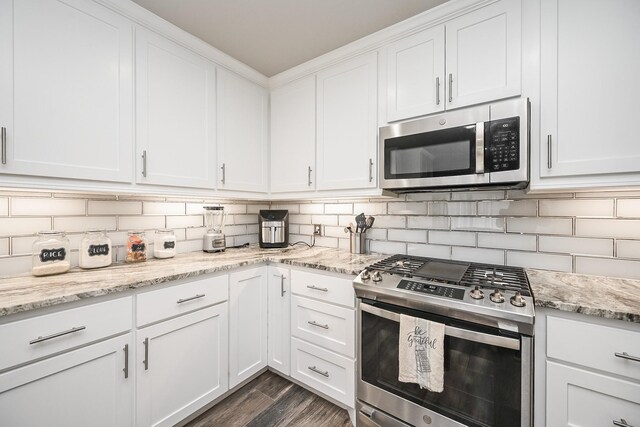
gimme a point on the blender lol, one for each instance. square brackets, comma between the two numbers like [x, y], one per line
[214, 240]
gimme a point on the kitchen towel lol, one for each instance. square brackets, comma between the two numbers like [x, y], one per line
[421, 348]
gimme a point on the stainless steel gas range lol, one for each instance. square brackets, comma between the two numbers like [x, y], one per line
[488, 312]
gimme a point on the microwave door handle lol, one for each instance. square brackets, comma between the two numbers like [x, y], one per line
[480, 147]
[452, 331]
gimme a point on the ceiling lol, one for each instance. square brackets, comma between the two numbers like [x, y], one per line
[272, 36]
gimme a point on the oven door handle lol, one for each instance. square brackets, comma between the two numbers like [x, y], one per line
[452, 331]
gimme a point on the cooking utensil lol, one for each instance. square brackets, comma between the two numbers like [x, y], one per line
[361, 222]
[369, 222]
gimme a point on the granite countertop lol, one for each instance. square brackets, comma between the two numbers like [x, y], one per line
[607, 297]
[23, 293]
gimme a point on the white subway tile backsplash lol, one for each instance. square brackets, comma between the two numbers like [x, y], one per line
[576, 245]
[335, 231]
[46, 207]
[235, 208]
[522, 194]
[541, 261]
[23, 226]
[114, 207]
[370, 209]
[15, 266]
[389, 221]
[4, 206]
[540, 225]
[189, 246]
[253, 229]
[184, 221]
[616, 228]
[380, 247]
[234, 230]
[255, 209]
[508, 208]
[327, 242]
[293, 238]
[84, 223]
[312, 208]
[429, 222]
[142, 223]
[608, 267]
[338, 208]
[477, 195]
[246, 238]
[195, 233]
[292, 208]
[452, 238]
[407, 208]
[430, 251]
[299, 219]
[477, 224]
[305, 229]
[163, 208]
[452, 208]
[522, 242]
[422, 197]
[629, 208]
[377, 233]
[487, 256]
[628, 249]
[324, 219]
[418, 236]
[581, 208]
[4, 246]
[245, 219]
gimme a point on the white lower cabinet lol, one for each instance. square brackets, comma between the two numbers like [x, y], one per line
[181, 366]
[279, 333]
[247, 324]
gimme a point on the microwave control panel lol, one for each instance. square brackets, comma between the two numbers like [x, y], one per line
[502, 145]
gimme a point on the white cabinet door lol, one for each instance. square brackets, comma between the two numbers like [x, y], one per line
[293, 136]
[92, 386]
[483, 54]
[279, 335]
[175, 114]
[347, 125]
[242, 111]
[579, 398]
[181, 366]
[66, 93]
[247, 324]
[415, 75]
[589, 88]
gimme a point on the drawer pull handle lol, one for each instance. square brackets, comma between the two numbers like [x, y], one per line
[126, 361]
[181, 300]
[58, 334]
[314, 323]
[317, 371]
[315, 288]
[145, 362]
[621, 423]
[625, 355]
[282, 291]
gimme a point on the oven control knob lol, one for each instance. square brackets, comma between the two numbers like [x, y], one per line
[376, 276]
[476, 293]
[518, 300]
[496, 296]
[365, 275]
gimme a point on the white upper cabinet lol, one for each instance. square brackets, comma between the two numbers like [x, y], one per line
[590, 63]
[66, 93]
[346, 124]
[293, 136]
[483, 54]
[175, 114]
[242, 124]
[415, 73]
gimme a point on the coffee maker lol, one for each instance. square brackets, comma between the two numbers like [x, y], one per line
[214, 239]
[274, 228]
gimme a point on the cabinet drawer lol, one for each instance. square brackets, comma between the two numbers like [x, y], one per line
[578, 397]
[326, 325]
[593, 346]
[325, 288]
[327, 372]
[176, 300]
[34, 338]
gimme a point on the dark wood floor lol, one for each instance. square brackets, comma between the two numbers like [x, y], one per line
[270, 400]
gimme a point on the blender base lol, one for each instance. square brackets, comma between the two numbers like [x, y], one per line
[214, 242]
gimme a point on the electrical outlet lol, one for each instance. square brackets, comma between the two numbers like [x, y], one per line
[317, 230]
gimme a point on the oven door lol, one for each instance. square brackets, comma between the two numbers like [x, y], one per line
[487, 379]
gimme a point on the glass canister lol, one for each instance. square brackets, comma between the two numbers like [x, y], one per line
[136, 246]
[95, 250]
[164, 244]
[50, 254]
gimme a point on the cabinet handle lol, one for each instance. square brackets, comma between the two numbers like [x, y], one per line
[437, 90]
[4, 145]
[224, 172]
[370, 170]
[144, 163]
[549, 155]
[58, 334]
[450, 87]
[126, 361]
[317, 371]
[625, 355]
[314, 323]
[315, 288]
[309, 176]
[282, 291]
[146, 354]
[181, 300]
[621, 423]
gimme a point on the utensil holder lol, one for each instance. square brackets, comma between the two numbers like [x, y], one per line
[357, 243]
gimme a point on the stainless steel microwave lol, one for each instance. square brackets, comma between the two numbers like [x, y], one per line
[479, 146]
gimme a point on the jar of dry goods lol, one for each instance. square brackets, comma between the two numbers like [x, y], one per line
[50, 254]
[95, 250]
[164, 244]
[136, 246]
